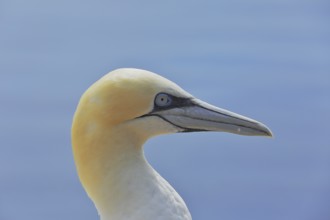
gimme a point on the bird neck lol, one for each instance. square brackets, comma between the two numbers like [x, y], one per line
[114, 172]
[105, 159]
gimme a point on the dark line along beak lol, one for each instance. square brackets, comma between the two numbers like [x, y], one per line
[201, 116]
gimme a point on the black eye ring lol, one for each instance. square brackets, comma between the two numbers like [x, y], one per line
[163, 100]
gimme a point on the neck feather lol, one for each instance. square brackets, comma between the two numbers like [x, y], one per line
[113, 170]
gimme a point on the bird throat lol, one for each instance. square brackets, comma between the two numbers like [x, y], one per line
[120, 181]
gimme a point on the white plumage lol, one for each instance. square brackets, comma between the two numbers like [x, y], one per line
[115, 117]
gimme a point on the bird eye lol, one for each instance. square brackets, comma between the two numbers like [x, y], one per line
[163, 100]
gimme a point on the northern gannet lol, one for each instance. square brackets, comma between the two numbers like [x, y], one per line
[113, 120]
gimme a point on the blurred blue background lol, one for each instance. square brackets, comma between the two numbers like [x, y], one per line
[269, 60]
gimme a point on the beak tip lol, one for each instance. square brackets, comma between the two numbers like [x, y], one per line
[269, 135]
[266, 131]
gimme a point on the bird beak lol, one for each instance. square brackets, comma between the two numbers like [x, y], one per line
[201, 116]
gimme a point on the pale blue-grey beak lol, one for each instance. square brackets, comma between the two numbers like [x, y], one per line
[196, 115]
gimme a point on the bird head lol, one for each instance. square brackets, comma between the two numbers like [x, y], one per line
[145, 104]
[122, 110]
